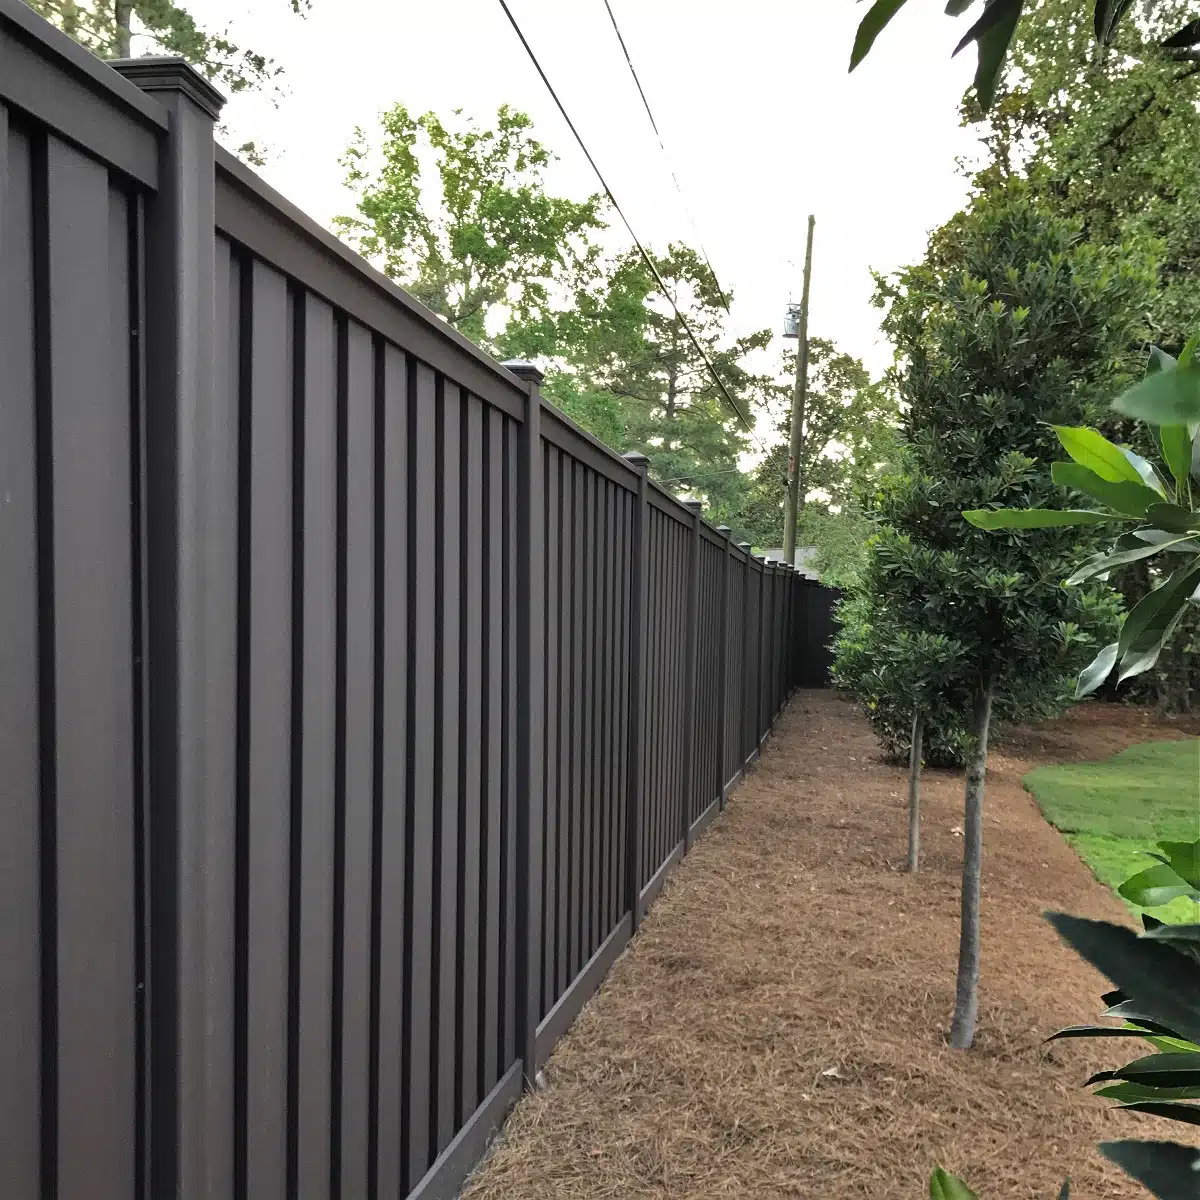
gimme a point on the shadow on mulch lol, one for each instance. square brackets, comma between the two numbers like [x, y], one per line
[778, 1026]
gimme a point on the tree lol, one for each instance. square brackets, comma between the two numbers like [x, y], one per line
[996, 25]
[849, 437]
[481, 242]
[630, 353]
[1012, 324]
[107, 28]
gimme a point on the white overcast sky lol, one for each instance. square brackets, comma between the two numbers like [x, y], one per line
[762, 123]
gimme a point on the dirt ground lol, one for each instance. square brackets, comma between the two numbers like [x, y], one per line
[778, 1026]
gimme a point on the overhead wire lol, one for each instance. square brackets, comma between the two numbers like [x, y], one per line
[662, 146]
[733, 404]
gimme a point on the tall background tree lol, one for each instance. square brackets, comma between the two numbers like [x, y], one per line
[1013, 324]
[849, 440]
[108, 28]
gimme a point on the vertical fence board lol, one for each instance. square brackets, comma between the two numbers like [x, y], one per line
[470, 653]
[267, 747]
[423, 634]
[20, 791]
[511, 799]
[316, 784]
[88, 365]
[393, 868]
[493, 692]
[552, 708]
[446, 737]
[358, 761]
[566, 677]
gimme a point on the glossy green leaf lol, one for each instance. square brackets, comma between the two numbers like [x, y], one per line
[1094, 451]
[1161, 1070]
[1176, 445]
[1064, 1193]
[993, 14]
[1166, 1169]
[1097, 1031]
[1189, 350]
[1107, 16]
[1174, 933]
[1160, 360]
[1143, 654]
[1184, 859]
[1100, 563]
[1126, 497]
[871, 26]
[1154, 886]
[1171, 1110]
[944, 1186]
[1164, 983]
[1146, 472]
[1165, 398]
[956, 8]
[1172, 518]
[1185, 38]
[1096, 672]
[1134, 1093]
[1153, 612]
[993, 49]
[1035, 518]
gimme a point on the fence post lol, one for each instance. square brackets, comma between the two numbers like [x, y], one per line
[691, 672]
[637, 694]
[744, 686]
[189, 565]
[531, 731]
[723, 681]
[760, 652]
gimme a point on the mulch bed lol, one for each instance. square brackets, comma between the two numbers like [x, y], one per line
[778, 1026]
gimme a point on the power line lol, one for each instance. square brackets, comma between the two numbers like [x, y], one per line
[625, 221]
[662, 146]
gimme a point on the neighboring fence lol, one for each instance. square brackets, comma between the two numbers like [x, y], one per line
[813, 657]
[354, 704]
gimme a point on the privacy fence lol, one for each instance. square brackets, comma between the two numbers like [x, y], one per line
[354, 704]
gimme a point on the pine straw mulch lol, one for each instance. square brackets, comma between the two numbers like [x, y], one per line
[778, 1026]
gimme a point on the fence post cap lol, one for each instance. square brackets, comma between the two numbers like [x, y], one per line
[170, 73]
[639, 462]
[524, 370]
[743, 545]
[724, 530]
[695, 506]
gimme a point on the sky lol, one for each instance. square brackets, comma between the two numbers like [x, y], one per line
[761, 121]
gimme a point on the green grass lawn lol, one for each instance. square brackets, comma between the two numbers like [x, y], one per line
[1112, 812]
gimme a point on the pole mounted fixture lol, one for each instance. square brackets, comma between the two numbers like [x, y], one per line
[793, 500]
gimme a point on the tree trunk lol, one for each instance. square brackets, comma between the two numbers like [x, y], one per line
[966, 996]
[914, 792]
[123, 10]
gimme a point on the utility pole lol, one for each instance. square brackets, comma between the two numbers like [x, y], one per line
[794, 500]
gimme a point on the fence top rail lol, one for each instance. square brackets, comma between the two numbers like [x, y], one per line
[559, 430]
[270, 226]
[19, 21]
[64, 87]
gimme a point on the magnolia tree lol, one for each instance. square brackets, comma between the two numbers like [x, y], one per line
[1012, 323]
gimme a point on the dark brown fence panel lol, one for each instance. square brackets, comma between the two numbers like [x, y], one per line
[707, 778]
[735, 667]
[586, 679]
[72, 929]
[668, 551]
[354, 704]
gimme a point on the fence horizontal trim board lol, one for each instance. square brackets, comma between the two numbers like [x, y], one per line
[355, 703]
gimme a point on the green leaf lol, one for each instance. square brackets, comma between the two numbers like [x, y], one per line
[1185, 38]
[1124, 497]
[1166, 398]
[1160, 360]
[1106, 18]
[995, 12]
[993, 49]
[1094, 451]
[1134, 1093]
[944, 1186]
[1034, 518]
[1176, 445]
[1189, 350]
[1161, 1070]
[1096, 672]
[1065, 1191]
[1164, 983]
[1154, 886]
[1153, 611]
[1164, 1168]
[1100, 563]
[1184, 859]
[1097, 1031]
[1143, 654]
[871, 26]
[1146, 472]
[956, 8]
[1188, 1113]
[1172, 518]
